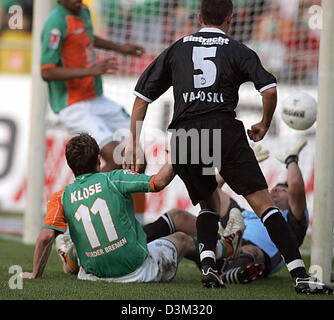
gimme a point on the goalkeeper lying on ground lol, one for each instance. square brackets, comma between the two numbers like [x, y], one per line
[259, 254]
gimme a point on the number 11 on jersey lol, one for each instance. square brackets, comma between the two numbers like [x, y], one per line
[83, 214]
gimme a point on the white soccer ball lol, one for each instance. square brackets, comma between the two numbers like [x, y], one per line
[299, 111]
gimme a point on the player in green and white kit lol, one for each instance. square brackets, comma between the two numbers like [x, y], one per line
[98, 209]
[109, 243]
[99, 205]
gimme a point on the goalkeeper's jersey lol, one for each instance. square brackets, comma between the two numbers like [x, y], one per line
[98, 209]
[206, 70]
[257, 233]
[67, 41]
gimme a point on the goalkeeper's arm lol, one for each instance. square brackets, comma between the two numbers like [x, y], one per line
[296, 190]
[296, 187]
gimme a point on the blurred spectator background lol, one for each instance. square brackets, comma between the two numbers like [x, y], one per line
[15, 44]
[278, 31]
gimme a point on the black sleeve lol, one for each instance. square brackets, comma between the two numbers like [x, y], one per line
[252, 70]
[299, 228]
[156, 79]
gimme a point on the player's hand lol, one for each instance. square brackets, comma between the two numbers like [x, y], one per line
[257, 132]
[132, 49]
[260, 154]
[106, 66]
[133, 158]
[128, 157]
[294, 152]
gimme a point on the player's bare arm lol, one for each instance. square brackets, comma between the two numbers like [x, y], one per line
[126, 49]
[107, 66]
[164, 177]
[41, 254]
[132, 151]
[269, 101]
[295, 181]
[296, 191]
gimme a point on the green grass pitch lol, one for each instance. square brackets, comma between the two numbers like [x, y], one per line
[55, 285]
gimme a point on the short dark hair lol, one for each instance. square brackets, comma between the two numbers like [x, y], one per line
[82, 153]
[214, 12]
[282, 184]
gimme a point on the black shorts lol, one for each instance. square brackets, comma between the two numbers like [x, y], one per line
[227, 148]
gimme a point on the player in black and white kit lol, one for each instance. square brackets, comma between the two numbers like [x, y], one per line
[206, 70]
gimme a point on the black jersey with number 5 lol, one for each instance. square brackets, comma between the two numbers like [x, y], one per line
[206, 70]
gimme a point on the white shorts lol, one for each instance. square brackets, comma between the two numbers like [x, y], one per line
[105, 120]
[159, 266]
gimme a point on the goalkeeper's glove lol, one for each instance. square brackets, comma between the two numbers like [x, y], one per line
[260, 154]
[292, 155]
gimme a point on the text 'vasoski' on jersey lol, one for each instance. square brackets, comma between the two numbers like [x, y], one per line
[206, 70]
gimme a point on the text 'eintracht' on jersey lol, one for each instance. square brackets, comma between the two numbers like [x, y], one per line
[206, 70]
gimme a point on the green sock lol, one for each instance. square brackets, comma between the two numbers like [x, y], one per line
[220, 249]
[195, 255]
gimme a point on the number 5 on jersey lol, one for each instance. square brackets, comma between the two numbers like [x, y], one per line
[208, 67]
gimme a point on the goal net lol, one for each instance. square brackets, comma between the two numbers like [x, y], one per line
[281, 34]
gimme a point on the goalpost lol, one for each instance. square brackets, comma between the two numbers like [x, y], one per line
[322, 227]
[36, 153]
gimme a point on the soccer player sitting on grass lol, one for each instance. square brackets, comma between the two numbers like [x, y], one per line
[175, 220]
[108, 240]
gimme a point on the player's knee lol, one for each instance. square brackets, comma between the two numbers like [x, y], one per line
[186, 241]
[178, 216]
[181, 236]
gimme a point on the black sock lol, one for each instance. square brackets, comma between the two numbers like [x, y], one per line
[162, 227]
[207, 228]
[280, 234]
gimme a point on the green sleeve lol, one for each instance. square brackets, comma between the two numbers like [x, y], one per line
[127, 181]
[53, 35]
